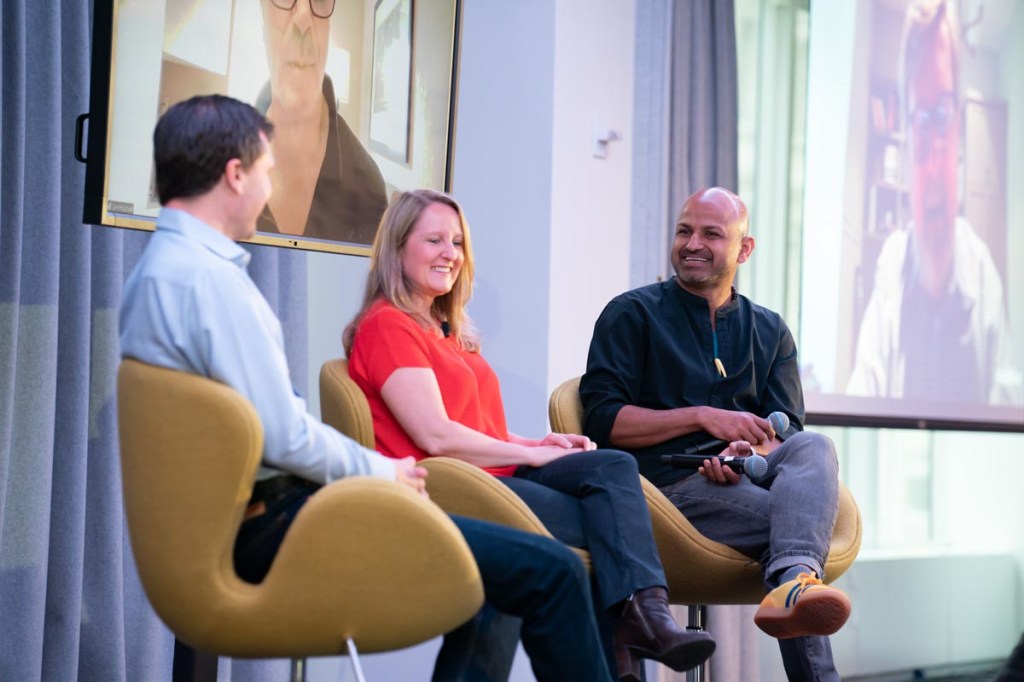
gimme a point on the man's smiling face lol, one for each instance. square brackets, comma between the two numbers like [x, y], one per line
[709, 241]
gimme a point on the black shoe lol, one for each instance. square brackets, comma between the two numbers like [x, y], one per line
[646, 629]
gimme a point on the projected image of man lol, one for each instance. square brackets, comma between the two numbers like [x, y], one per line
[935, 327]
[326, 185]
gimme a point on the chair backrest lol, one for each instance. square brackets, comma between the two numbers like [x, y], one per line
[565, 411]
[365, 559]
[190, 448]
[343, 404]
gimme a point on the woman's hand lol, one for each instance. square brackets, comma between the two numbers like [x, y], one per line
[539, 455]
[569, 440]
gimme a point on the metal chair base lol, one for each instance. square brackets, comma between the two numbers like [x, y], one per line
[192, 665]
[299, 664]
[697, 618]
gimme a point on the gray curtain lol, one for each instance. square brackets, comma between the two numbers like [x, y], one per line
[704, 98]
[71, 606]
[685, 119]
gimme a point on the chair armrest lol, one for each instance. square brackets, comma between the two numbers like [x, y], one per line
[565, 411]
[367, 559]
[702, 571]
[461, 488]
[699, 570]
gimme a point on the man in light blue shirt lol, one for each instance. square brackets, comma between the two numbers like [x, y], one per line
[190, 305]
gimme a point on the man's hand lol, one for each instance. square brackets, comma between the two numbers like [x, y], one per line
[732, 426]
[407, 473]
[716, 473]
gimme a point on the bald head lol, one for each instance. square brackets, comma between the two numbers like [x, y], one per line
[727, 205]
[711, 241]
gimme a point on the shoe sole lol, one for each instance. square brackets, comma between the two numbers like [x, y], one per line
[814, 614]
[684, 657]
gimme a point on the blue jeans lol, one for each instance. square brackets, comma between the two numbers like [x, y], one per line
[784, 521]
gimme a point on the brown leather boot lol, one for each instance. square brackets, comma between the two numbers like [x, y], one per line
[646, 630]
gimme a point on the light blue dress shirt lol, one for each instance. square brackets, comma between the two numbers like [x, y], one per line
[190, 305]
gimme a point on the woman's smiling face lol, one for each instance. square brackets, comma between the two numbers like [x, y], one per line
[433, 254]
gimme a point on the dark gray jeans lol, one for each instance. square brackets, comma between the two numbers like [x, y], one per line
[784, 521]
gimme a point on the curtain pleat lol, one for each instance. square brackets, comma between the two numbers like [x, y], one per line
[704, 99]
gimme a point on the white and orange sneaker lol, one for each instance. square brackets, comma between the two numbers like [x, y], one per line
[802, 607]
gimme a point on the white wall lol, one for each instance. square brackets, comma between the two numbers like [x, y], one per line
[591, 197]
[502, 177]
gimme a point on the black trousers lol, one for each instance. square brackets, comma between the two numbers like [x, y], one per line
[594, 500]
[270, 513]
[538, 580]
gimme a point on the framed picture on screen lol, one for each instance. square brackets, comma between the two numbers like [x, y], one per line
[360, 92]
[390, 82]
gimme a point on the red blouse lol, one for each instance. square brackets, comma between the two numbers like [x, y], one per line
[388, 339]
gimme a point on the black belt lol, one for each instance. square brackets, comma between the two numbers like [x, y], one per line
[269, 490]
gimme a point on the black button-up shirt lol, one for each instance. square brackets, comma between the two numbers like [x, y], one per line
[654, 347]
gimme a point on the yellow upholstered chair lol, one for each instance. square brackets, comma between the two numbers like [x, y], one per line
[701, 571]
[456, 486]
[190, 449]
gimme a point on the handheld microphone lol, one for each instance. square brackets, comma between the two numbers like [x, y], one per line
[754, 466]
[779, 421]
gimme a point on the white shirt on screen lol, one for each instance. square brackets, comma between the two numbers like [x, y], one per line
[955, 349]
[190, 305]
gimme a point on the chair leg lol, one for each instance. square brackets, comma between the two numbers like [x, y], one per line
[192, 665]
[298, 673]
[697, 617]
[353, 655]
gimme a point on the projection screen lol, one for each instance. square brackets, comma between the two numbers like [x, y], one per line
[912, 304]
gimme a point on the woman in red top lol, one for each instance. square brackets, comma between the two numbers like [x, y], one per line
[414, 352]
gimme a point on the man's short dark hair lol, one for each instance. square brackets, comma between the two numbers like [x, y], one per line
[195, 139]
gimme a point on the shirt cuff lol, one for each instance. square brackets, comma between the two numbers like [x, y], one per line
[381, 466]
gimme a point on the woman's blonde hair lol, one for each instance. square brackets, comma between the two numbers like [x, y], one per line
[386, 279]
